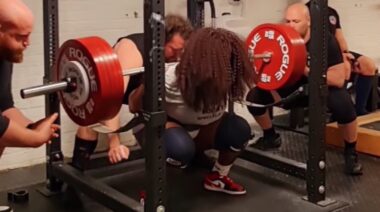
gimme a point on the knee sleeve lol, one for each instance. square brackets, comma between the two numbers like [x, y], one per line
[179, 145]
[341, 106]
[259, 96]
[233, 133]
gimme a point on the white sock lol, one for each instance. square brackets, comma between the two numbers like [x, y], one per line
[222, 170]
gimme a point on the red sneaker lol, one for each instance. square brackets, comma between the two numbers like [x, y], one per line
[142, 196]
[216, 182]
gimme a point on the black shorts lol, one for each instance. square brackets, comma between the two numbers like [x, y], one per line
[338, 101]
[134, 82]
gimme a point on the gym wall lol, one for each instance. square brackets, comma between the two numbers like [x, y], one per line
[122, 17]
[360, 25]
[76, 19]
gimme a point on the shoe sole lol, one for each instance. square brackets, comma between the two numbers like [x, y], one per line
[210, 188]
[266, 148]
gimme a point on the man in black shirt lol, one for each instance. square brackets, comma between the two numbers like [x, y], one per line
[130, 51]
[364, 66]
[339, 102]
[16, 130]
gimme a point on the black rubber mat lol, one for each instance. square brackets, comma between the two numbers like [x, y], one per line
[185, 193]
[361, 192]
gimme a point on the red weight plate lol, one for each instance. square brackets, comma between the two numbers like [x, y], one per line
[114, 71]
[288, 51]
[100, 92]
[113, 80]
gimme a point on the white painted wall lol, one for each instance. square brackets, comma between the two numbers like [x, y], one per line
[112, 19]
[77, 18]
[360, 25]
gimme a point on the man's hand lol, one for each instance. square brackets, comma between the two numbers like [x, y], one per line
[46, 129]
[118, 153]
[348, 56]
[37, 134]
[306, 71]
[353, 62]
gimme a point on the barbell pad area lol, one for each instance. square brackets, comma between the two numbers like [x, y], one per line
[288, 55]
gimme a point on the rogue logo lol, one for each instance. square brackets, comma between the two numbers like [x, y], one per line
[285, 58]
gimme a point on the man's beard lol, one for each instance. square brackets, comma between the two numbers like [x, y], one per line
[14, 56]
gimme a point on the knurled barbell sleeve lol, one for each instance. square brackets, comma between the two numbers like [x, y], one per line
[44, 89]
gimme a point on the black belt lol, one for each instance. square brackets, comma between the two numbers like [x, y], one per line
[187, 127]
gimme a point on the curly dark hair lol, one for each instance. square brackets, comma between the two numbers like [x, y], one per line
[214, 67]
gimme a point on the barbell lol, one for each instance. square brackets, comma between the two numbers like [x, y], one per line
[89, 77]
[89, 80]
